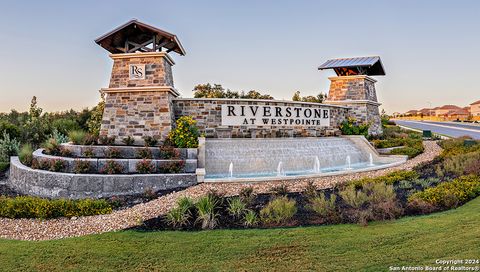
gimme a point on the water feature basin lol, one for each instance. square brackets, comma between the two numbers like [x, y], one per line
[289, 158]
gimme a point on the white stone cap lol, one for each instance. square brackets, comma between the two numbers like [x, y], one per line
[143, 55]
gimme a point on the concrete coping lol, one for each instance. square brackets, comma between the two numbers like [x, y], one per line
[259, 100]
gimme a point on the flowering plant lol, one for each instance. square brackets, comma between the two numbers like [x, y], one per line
[185, 134]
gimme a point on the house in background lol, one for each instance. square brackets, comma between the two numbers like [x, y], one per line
[460, 114]
[411, 113]
[475, 108]
[445, 109]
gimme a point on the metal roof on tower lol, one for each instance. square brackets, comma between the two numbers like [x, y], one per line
[371, 66]
[135, 36]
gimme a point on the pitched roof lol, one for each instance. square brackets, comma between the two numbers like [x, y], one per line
[139, 33]
[458, 112]
[371, 66]
[449, 107]
[476, 102]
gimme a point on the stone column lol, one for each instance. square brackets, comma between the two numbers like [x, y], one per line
[358, 93]
[139, 106]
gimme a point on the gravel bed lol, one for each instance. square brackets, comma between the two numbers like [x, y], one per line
[35, 229]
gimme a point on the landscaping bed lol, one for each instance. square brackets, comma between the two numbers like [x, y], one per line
[399, 141]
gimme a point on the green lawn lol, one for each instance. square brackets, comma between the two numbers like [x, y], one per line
[408, 241]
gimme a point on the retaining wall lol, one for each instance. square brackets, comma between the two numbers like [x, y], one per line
[48, 184]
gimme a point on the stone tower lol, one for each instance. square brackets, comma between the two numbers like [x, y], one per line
[353, 87]
[138, 100]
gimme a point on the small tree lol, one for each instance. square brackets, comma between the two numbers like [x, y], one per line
[95, 121]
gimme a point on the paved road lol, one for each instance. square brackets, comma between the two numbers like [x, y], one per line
[446, 128]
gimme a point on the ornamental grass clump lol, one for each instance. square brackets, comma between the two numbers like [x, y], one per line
[169, 153]
[106, 140]
[26, 154]
[250, 219]
[150, 141]
[180, 216]
[57, 165]
[113, 152]
[77, 136]
[185, 134]
[51, 147]
[207, 211]
[279, 210]
[236, 207]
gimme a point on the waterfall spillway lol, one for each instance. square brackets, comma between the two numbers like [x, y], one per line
[260, 157]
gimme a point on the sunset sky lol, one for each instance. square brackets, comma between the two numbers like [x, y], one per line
[430, 49]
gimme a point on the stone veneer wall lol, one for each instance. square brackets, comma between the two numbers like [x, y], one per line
[352, 88]
[139, 107]
[137, 114]
[359, 94]
[158, 70]
[207, 113]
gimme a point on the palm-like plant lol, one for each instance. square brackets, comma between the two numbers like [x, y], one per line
[179, 216]
[207, 211]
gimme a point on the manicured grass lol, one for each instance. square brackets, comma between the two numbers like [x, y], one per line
[408, 241]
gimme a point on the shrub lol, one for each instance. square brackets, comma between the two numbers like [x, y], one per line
[150, 141]
[77, 136]
[457, 165]
[111, 167]
[279, 210]
[145, 167]
[169, 153]
[34, 207]
[207, 211]
[411, 152]
[236, 207]
[144, 153]
[279, 190]
[64, 152]
[4, 166]
[251, 218]
[451, 193]
[128, 140]
[8, 147]
[88, 153]
[106, 140]
[185, 134]
[323, 206]
[57, 165]
[112, 152]
[51, 147]
[26, 154]
[310, 190]
[389, 179]
[82, 167]
[12, 130]
[64, 125]
[41, 164]
[58, 136]
[419, 206]
[90, 139]
[351, 127]
[247, 195]
[180, 216]
[353, 197]
[171, 167]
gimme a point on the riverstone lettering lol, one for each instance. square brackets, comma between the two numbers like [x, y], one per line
[266, 115]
